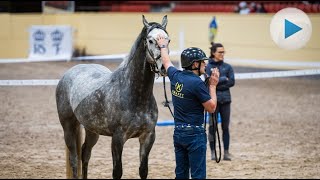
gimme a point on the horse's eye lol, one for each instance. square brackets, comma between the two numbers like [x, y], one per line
[150, 41]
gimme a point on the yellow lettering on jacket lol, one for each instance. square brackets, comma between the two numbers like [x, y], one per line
[177, 94]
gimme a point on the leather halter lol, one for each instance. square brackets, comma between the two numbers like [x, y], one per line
[154, 67]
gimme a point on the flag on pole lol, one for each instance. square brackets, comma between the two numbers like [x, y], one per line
[213, 28]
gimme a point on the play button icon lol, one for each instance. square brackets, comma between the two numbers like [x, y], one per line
[290, 28]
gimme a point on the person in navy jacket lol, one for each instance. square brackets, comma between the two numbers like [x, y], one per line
[226, 81]
[190, 97]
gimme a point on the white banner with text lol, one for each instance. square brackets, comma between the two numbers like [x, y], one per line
[50, 42]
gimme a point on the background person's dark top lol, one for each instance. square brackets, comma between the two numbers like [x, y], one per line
[224, 85]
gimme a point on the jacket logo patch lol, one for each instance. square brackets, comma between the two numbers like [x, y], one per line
[178, 87]
[177, 90]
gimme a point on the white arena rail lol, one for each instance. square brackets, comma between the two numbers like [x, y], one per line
[255, 75]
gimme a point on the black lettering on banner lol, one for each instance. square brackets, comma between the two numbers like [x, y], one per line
[57, 45]
[39, 49]
[38, 46]
[57, 37]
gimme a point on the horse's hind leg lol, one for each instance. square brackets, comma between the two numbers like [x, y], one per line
[90, 141]
[146, 142]
[70, 125]
[71, 128]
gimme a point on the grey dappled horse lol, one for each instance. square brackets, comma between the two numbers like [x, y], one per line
[120, 104]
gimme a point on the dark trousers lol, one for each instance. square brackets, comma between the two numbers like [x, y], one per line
[224, 110]
[190, 146]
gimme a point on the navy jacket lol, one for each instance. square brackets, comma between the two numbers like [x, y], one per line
[226, 80]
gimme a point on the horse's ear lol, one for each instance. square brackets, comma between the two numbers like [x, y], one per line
[164, 21]
[145, 22]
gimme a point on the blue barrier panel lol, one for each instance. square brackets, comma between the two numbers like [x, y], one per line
[171, 122]
[165, 123]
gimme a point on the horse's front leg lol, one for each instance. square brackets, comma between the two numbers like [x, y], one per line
[146, 142]
[117, 148]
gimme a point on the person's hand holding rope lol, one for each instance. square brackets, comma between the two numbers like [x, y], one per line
[214, 78]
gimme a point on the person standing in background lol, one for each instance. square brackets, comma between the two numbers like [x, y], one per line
[243, 8]
[226, 81]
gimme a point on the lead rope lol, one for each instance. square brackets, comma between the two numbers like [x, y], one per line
[216, 131]
[214, 118]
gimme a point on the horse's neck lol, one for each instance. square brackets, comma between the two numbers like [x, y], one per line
[137, 73]
[140, 76]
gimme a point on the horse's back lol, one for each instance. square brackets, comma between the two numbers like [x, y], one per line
[81, 80]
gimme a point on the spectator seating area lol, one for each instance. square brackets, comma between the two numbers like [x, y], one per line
[162, 6]
[201, 6]
[308, 8]
[185, 6]
[204, 8]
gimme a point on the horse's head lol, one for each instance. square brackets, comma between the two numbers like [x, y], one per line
[152, 48]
